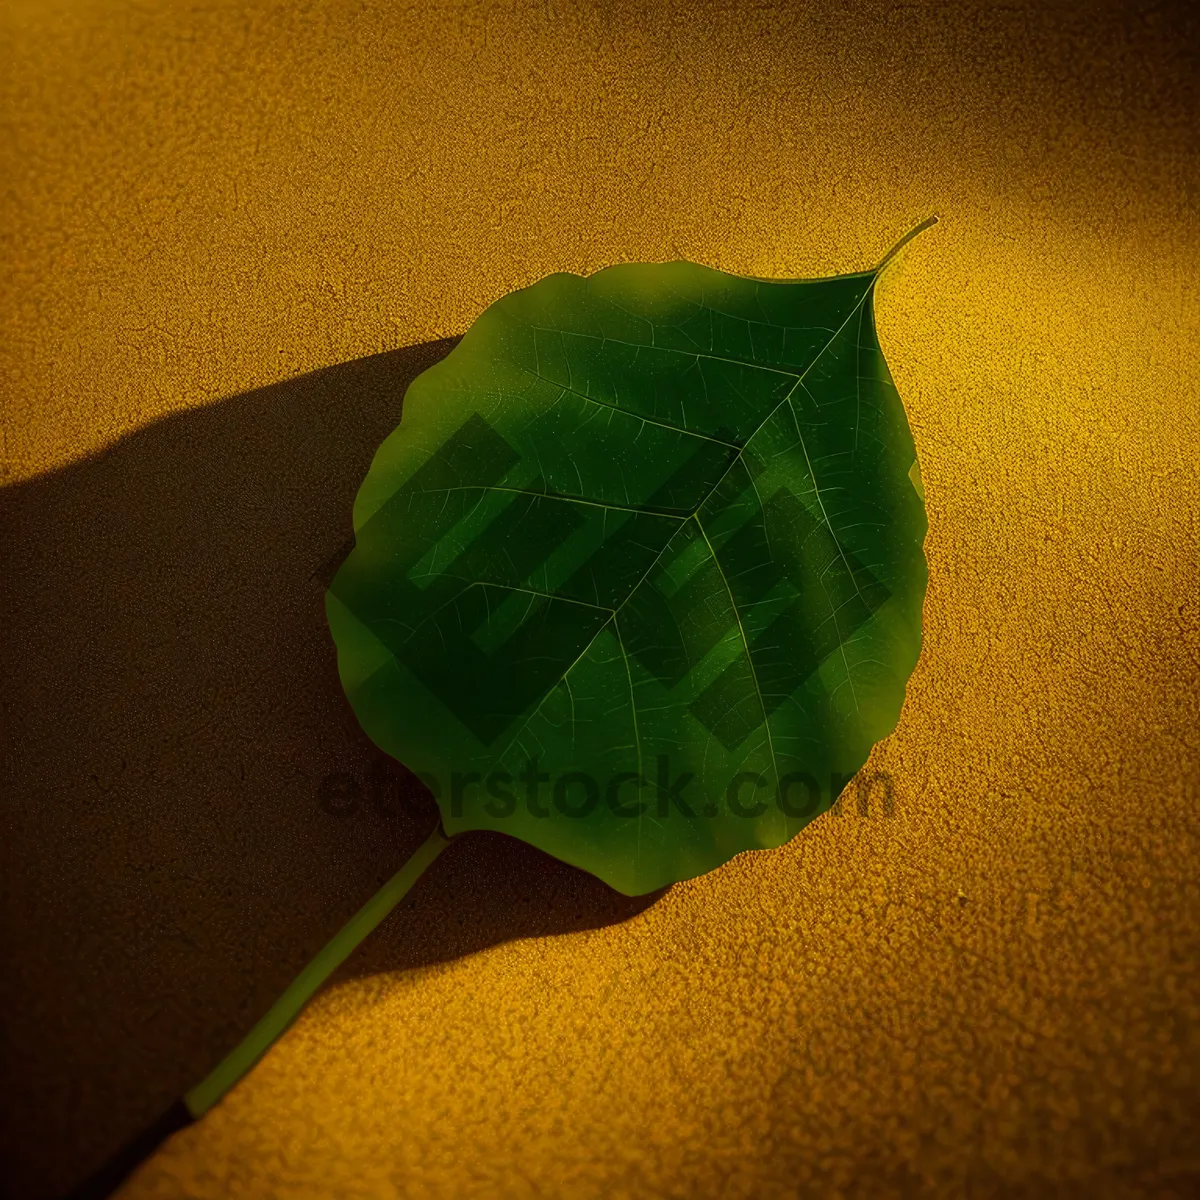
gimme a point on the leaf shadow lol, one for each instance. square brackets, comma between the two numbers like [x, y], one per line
[191, 807]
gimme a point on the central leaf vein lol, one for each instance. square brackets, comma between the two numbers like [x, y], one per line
[613, 620]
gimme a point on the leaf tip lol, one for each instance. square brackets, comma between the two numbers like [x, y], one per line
[908, 237]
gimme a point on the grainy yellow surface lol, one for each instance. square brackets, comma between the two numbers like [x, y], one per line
[993, 991]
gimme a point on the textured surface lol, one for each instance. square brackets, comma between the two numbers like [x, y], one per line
[992, 991]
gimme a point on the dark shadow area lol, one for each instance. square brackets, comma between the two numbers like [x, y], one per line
[190, 808]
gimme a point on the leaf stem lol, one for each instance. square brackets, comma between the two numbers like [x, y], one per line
[103, 1182]
[908, 237]
[285, 1010]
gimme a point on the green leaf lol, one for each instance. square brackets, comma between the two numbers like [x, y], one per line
[639, 577]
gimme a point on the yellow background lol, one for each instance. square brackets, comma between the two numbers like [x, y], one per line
[995, 991]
